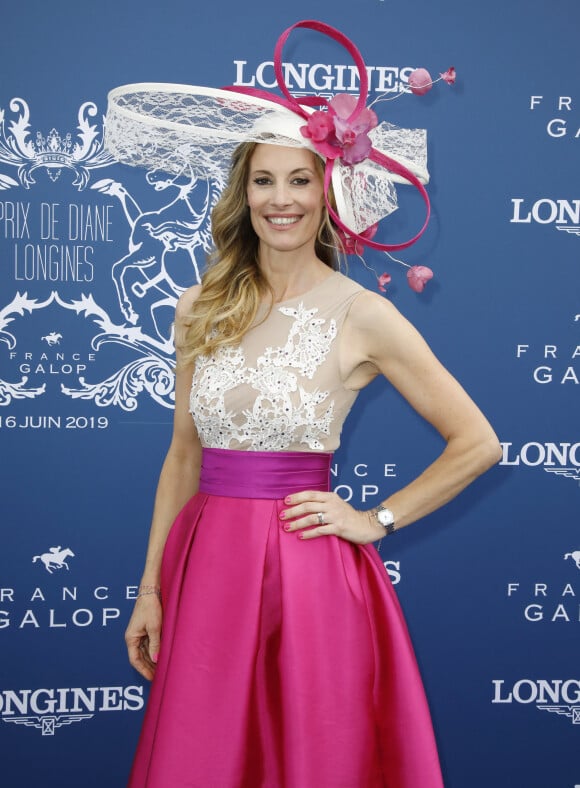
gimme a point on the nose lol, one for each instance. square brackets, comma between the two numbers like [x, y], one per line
[281, 196]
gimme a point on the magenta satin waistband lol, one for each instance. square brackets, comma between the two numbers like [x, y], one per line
[262, 474]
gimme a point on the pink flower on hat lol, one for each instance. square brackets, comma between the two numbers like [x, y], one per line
[335, 135]
[352, 245]
[383, 281]
[418, 276]
[320, 129]
[352, 134]
[420, 81]
[320, 126]
[449, 76]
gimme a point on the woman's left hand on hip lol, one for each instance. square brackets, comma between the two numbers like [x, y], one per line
[312, 513]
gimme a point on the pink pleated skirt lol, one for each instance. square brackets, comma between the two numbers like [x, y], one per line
[284, 663]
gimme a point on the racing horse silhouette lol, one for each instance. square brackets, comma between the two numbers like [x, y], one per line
[575, 556]
[162, 262]
[52, 339]
[55, 558]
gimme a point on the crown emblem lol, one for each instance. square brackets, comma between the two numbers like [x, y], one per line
[53, 152]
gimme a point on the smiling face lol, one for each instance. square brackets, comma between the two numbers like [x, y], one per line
[285, 196]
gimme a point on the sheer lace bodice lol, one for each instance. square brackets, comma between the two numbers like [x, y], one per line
[281, 388]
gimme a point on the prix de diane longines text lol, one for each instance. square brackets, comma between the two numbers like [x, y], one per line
[54, 242]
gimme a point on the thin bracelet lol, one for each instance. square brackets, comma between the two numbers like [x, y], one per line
[147, 591]
[374, 521]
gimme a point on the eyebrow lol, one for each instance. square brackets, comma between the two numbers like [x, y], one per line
[293, 172]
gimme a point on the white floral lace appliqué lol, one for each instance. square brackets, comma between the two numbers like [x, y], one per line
[284, 412]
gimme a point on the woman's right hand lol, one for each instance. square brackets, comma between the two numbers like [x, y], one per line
[143, 635]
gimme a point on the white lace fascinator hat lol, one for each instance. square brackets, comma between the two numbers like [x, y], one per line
[164, 126]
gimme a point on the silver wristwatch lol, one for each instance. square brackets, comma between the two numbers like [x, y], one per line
[385, 518]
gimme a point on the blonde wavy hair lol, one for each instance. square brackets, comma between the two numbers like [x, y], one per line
[233, 286]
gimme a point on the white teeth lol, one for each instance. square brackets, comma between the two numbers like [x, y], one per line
[282, 219]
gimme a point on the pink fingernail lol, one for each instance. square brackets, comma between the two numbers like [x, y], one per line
[155, 657]
[286, 527]
[282, 515]
[287, 500]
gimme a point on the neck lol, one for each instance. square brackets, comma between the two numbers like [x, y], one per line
[291, 273]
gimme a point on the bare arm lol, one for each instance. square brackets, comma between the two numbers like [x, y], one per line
[381, 341]
[178, 481]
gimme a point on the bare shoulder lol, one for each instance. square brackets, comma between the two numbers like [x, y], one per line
[368, 307]
[185, 304]
[183, 315]
[379, 327]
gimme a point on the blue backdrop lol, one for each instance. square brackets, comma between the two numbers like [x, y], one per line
[490, 584]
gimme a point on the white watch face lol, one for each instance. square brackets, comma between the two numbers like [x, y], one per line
[385, 517]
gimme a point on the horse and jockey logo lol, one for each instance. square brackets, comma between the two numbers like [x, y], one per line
[52, 339]
[55, 558]
[575, 556]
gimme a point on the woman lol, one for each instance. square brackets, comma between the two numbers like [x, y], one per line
[283, 658]
[279, 653]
